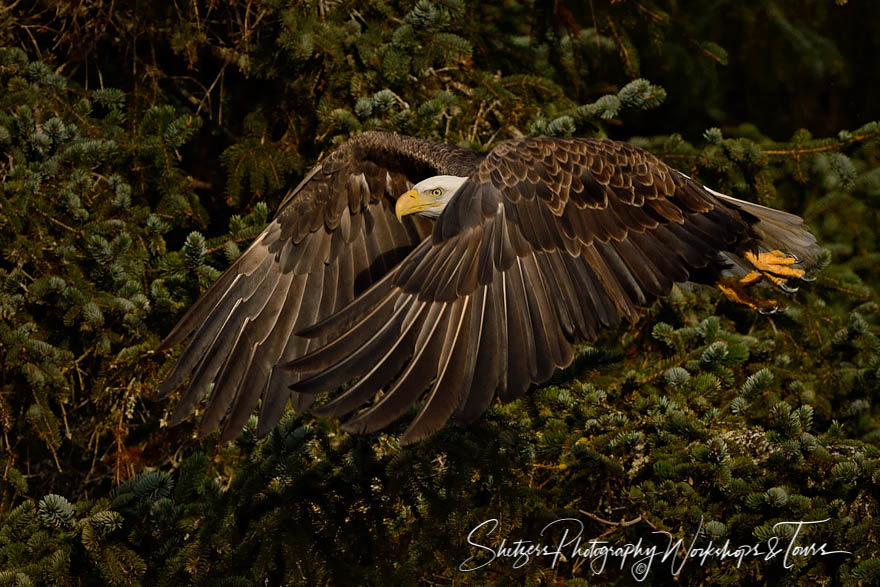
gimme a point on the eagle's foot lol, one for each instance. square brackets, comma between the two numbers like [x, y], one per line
[735, 291]
[776, 266]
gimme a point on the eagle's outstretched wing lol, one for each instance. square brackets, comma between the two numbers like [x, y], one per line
[333, 236]
[547, 242]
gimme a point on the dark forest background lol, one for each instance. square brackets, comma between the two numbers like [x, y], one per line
[142, 146]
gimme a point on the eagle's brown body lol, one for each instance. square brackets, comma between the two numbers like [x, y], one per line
[547, 242]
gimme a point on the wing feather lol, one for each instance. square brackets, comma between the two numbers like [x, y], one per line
[253, 331]
[455, 371]
[222, 332]
[491, 354]
[410, 384]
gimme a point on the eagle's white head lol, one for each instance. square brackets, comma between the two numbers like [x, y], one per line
[428, 197]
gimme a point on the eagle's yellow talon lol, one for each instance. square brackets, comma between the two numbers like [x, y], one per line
[774, 263]
[750, 278]
[736, 292]
[776, 266]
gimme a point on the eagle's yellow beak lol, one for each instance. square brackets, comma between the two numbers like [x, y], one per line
[410, 203]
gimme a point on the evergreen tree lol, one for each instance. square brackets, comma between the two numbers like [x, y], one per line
[144, 144]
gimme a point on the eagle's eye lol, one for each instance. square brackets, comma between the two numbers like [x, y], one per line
[437, 192]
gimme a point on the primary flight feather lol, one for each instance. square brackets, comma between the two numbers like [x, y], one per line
[423, 271]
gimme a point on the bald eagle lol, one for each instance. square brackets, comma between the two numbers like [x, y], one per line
[412, 270]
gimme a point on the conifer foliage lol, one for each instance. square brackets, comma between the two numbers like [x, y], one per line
[145, 144]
